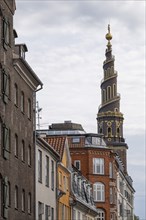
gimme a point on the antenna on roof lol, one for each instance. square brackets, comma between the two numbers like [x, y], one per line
[38, 110]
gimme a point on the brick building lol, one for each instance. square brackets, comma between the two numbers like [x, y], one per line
[95, 161]
[18, 86]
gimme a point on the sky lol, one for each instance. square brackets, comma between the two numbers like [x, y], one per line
[66, 49]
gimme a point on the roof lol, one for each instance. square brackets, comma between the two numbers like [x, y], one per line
[58, 143]
[41, 141]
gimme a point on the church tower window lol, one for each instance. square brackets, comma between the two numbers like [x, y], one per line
[109, 131]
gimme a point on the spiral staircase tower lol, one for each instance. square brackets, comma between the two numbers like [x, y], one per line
[109, 117]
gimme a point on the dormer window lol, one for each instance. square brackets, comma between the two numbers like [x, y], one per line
[75, 140]
[20, 50]
[23, 49]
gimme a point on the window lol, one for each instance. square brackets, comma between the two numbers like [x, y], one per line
[29, 109]
[75, 140]
[74, 214]
[5, 86]
[64, 183]
[103, 95]
[16, 146]
[23, 151]
[114, 90]
[77, 164]
[23, 200]
[60, 178]
[52, 174]
[79, 215]
[40, 210]
[110, 170]
[98, 165]
[67, 183]
[16, 95]
[52, 213]
[99, 192]
[16, 198]
[118, 131]
[47, 212]
[6, 142]
[29, 203]
[6, 33]
[29, 155]
[9, 194]
[101, 215]
[111, 195]
[108, 92]
[5, 197]
[39, 166]
[22, 102]
[109, 131]
[47, 171]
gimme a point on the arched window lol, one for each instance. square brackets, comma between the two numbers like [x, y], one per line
[114, 90]
[23, 200]
[108, 72]
[16, 94]
[109, 131]
[103, 95]
[29, 203]
[99, 192]
[108, 92]
[16, 145]
[22, 101]
[29, 109]
[29, 155]
[112, 70]
[23, 151]
[118, 131]
[101, 214]
[100, 130]
[16, 198]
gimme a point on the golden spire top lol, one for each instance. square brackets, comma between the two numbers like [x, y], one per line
[108, 36]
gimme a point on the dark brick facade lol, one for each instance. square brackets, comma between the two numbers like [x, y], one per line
[18, 83]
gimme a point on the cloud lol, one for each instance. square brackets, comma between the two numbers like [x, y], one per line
[66, 43]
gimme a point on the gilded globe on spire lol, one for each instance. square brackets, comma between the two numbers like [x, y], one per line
[108, 36]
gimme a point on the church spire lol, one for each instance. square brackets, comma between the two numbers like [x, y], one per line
[109, 117]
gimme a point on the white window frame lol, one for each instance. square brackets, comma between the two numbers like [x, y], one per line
[101, 214]
[40, 166]
[110, 170]
[98, 166]
[99, 192]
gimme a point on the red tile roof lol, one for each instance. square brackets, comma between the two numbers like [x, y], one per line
[57, 143]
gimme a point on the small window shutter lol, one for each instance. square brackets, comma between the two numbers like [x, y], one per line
[5, 198]
[6, 144]
[5, 87]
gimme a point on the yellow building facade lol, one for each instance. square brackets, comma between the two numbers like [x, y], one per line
[60, 144]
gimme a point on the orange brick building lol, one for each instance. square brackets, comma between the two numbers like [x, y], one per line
[96, 162]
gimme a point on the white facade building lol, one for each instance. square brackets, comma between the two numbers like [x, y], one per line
[125, 196]
[46, 164]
